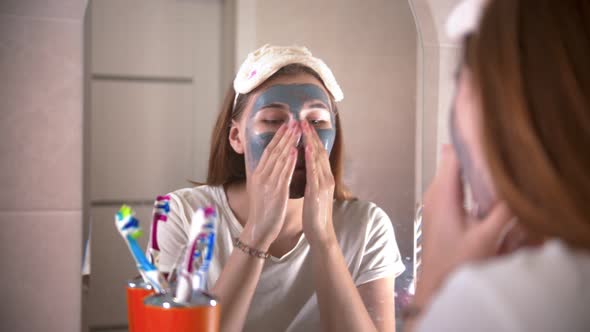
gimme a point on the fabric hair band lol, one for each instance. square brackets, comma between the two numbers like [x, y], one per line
[267, 60]
[464, 19]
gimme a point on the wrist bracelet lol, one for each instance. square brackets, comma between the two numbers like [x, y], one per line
[250, 251]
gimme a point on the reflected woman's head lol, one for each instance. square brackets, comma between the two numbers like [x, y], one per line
[525, 91]
[248, 122]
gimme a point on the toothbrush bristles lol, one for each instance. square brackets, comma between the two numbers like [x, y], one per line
[209, 212]
[163, 198]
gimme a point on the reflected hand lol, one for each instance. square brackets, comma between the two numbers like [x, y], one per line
[319, 189]
[268, 188]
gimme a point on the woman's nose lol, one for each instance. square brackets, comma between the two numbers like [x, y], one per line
[300, 142]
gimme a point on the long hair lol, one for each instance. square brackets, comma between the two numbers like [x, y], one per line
[530, 60]
[227, 166]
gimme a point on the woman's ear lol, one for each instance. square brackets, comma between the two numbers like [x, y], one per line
[235, 137]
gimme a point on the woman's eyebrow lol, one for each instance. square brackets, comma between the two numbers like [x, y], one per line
[318, 105]
[275, 105]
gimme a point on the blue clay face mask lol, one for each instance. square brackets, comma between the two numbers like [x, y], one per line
[280, 104]
[284, 103]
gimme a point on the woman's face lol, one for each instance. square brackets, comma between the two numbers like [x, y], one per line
[466, 136]
[281, 101]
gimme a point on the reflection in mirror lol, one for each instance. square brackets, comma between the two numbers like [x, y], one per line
[158, 72]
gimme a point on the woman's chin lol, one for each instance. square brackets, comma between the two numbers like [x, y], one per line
[298, 181]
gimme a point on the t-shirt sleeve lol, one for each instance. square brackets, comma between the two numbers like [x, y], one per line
[467, 303]
[171, 236]
[381, 257]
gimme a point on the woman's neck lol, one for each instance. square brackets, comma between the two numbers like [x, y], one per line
[238, 200]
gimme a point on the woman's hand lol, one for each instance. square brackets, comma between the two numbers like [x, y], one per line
[451, 236]
[319, 189]
[268, 188]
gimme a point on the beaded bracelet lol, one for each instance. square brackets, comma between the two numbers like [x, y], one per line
[250, 251]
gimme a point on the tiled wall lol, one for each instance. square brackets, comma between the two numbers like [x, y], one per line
[41, 165]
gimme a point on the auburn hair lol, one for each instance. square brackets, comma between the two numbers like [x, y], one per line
[530, 60]
[227, 166]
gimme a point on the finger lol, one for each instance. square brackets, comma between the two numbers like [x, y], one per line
[314, 138]
[287, 172]
[448, 179]
[308, 138]
[444, 196]
[277, 154]
[493, 229]
[311, 139]
[449, 169]
[310, 170]
[324, 161]
[320, 153]
[290, 140]
[318, 157]
[279, 135]
[512, 237]
[282, 153]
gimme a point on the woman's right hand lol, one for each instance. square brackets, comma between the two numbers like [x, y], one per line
[268, 188]
[451, 236]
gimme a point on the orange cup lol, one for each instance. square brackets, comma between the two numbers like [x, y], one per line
[137, 291]
[163, 314]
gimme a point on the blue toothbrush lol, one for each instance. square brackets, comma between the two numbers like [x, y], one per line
[128, 227]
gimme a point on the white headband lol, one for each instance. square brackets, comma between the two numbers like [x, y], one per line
[464, 19]
[267, 60]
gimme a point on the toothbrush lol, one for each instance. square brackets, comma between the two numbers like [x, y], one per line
[160, 214]
[185, 287]
[202, 254]
[128, 227]
[205, 252]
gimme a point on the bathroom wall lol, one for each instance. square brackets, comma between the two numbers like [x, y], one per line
[41, 165]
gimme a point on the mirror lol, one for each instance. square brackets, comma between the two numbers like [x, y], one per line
[157, 72]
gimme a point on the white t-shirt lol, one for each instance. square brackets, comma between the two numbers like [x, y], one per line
[542, 290]
[285, 297]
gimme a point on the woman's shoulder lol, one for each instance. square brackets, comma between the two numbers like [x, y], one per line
[358, 209]
[533, 289]
[198, 196]
[550, 263]
[552, 279]
[359, 216]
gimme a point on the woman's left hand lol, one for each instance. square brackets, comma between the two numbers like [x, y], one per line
[451, 237]
[319, 189]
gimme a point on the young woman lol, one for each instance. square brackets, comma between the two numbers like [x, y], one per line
[294, 250]
[520, 261]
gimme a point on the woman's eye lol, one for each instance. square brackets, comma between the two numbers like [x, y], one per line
[317, 122]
